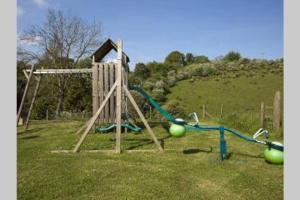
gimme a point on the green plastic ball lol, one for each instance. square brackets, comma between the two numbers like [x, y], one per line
[273, 155]
[177, 130]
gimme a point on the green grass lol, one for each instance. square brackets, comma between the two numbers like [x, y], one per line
[238, 94]
[171, 175]
[241, 94]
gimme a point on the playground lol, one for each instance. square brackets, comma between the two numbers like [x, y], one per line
[111, 154]
[190, 167]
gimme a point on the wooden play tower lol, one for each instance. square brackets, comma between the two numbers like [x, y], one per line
[104, 76]
[110, 93]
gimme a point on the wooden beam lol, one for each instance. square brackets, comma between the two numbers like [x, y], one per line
[131, 99]
[25, 74]
[33, 100]
[82, 128]
[141, 151]
[119, 96]
[101, 89]
[24, 94]
[109, 151]
[106, 90]
[95, 89]
[94, 118]
[112, 98]
[62, 71]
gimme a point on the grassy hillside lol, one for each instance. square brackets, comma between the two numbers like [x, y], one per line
[241, 93]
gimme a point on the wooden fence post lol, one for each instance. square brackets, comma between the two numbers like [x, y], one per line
[262, 114]
[221, 114]
[276, 111]
[47, 114]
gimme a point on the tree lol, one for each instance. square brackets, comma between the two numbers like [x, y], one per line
[21, 81]
[201, 59]
[64, 41]
[232, 56]
[189, 58]
[141, 71]
[159, 70]
[175, 58]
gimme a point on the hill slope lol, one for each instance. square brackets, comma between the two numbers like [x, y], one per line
[240, 93]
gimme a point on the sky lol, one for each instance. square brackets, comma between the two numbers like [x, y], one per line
[150, 29]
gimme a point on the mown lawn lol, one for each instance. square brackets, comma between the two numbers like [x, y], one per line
[189, 169]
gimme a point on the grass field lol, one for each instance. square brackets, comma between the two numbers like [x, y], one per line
[240, 93]
[189, 169]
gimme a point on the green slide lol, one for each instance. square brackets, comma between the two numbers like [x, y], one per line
[163, 112]
[126, 125]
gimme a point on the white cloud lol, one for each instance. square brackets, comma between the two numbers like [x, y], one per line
[40, 3]
[20, 11]
[28, 41]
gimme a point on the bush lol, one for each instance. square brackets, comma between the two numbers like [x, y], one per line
[149, 84]
[171, 78]
[175, 58]
[232, 56]
[208, 70]
[182, 75]
[141, 71]
[175, 108]
[159, 94]
[189, 58]
[201, 59]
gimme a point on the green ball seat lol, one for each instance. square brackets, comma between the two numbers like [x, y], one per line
[273, 155]
[177, 130]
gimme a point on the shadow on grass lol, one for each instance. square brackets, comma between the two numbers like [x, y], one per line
[29, 137]
[144, 142]
[197, 150]
[243, 155]
[29, 131]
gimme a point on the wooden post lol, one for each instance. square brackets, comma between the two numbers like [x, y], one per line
[276, 111]
[221, 113]
[93, 119]
[32, 101]
[112, 98]
[203, 111]
[143, 119]
[95, 88]
[262, 114]
[119, 96]
[106, 90]
[25, 74]
[82, 128]
[47, 114]
[25, 93]
[101, 89]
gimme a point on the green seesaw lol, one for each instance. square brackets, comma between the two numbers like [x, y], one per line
[273, 152]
